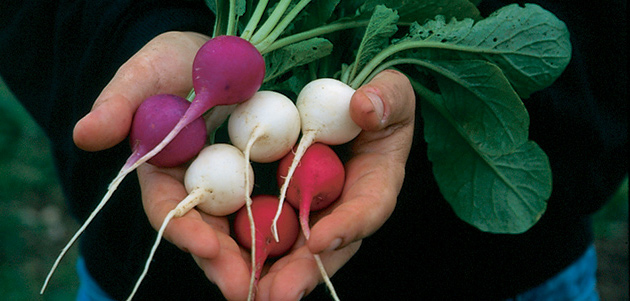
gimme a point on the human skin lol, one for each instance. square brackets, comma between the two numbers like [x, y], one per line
[384, 108]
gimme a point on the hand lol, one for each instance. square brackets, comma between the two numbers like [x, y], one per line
[385, 110]
[164, 65]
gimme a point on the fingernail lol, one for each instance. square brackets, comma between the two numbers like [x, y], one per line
[334, 244]
[377, 104]
[301, 296]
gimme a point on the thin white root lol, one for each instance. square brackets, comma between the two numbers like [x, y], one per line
[307, 234]
[182, 208]
[250, 216]
[110, 191]
[167, 219]
[307, 139]
[327, 281]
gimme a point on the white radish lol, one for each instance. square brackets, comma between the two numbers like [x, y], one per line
[265, 128]
[215, 182]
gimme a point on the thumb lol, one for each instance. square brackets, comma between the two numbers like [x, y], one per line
[387, 100]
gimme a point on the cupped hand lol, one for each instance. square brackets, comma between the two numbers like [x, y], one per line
[164, 65]
[385, 109]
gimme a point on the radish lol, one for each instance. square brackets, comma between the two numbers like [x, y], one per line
[317, 182]
[154, 115]
[226, 70]
[263, 210]
[215, 182]
[265, 128]
[152, 121]
[324, 106]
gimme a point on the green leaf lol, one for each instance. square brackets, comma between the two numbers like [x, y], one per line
[422, 10]
[282, 60]
[481, 101]
[529, 44]
[381, 28]
[504, 193]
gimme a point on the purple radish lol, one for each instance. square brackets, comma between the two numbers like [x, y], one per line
[153, 120]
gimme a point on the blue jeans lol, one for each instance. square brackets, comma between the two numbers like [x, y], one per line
[577, 282]
[89, 290]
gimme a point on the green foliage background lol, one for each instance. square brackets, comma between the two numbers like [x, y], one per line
[34, 224]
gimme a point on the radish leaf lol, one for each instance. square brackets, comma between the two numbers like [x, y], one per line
[422, 10]
[281, 60]
[529, 44]
[381, 28]
[503, 193]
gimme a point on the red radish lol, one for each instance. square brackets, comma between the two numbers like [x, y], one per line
[317, 182]
[215, 182]
[152, 121]
[263, 210]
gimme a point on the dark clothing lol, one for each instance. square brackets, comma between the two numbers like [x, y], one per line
[57, 56]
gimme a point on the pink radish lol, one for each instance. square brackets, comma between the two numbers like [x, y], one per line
[215, 182]
[265, 128]
[263, 210]
[317, 182]
[152, 121]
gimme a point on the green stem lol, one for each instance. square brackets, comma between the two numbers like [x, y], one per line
[389, 64]
[191, 95]
[231, 26]
[254, 20]
[271, 22]
[282, 25]
[393, 49]
[326, 29]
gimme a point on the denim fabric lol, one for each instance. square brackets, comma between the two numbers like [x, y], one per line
[575, 283]
[89, 290]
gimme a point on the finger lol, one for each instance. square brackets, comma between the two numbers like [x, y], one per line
[162, 190]
[228, 270]
[387, 100]
[164, 65]
[369, 198]
[375, 174]
[296, 274]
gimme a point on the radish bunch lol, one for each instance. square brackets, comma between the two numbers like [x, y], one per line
[263, 127]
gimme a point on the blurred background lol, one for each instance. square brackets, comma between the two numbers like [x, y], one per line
[34, 224]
